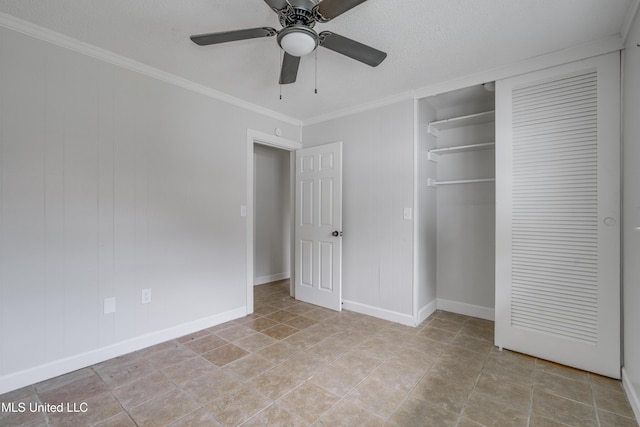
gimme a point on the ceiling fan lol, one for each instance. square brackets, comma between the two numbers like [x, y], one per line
[298, 38]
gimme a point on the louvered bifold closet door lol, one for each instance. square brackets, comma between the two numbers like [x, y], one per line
[557, 208]
[554, 278]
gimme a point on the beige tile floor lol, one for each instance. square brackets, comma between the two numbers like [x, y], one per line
[294, 364]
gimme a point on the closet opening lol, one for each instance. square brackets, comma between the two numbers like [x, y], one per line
[456, 196]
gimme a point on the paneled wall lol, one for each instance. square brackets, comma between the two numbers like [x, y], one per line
[112, 182]
[378, 152]
[426, 217]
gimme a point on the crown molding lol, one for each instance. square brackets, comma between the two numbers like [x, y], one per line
[393, 99]
[53, 37]
[543, 61]
[628, 20]
[575, 53]
[563, 56]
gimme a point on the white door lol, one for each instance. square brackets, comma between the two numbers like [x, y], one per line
[318, 229]
[558, 214]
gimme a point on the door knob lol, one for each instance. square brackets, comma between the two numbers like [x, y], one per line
[337, 233]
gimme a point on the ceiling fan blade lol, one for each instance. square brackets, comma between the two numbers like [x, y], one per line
[289, 71]
[277, 4]
[230, 36]
[351, 48]
[329, 9]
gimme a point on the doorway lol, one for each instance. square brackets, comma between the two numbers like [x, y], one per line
[256, 138]
[272, 214]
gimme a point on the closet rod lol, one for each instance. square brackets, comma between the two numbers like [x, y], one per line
[433, 183]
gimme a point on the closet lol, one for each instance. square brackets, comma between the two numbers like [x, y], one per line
[456, 191]
[519, 210]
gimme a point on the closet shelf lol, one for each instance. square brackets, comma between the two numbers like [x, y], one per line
[454, 122]
[460, 149]
[433, 183]
[463, 148]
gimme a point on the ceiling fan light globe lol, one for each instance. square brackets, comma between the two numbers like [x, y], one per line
[298, 43]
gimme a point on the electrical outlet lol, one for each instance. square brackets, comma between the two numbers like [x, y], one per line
[146, 296]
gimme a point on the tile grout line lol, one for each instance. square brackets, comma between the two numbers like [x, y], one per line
[181, 390]
[283, 362]
[344, 397]
[111, 393]
[475, 383]
[46, 415]
[158, 371]
[240, 381]
[533, 385]
[154, 397]
[593, 396]
[276, 401]
[388, 420]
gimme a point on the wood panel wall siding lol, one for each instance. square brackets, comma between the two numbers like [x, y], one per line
[112, 182]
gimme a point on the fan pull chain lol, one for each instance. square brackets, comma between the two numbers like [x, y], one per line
[316, 88]
[280, 67]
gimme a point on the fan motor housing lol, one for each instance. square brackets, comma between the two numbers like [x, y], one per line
[300, 12]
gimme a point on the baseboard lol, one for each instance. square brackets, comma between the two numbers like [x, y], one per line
[49, 370]
[467, 309]
[632, 394]
[381, 313]
[427, 311]
[271, 278]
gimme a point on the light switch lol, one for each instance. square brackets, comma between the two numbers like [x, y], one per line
[109, 305]
[407, 213]
[243, 210]
[146, 296]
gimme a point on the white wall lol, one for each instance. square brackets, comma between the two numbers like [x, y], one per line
[112, 182]
[427, 226]
[456, 228]
[272, 232]
[378, 182]
[631, 215]
[466, 221]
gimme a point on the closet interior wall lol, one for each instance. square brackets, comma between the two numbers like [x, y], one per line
[426, 220]
[457, 200]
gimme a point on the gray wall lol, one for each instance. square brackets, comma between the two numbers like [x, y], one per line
[112, 182]
[377, 185]
[426, 218]
[466, 219]
[456, 223]
[631, 200]
[272, 230]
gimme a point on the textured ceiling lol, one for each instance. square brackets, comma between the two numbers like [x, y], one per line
[427, 41]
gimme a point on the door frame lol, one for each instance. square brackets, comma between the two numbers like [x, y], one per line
[262, 138]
